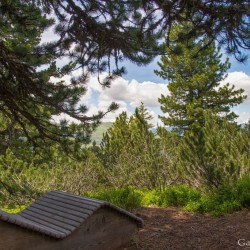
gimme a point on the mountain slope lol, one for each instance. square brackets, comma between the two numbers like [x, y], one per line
[98, 134]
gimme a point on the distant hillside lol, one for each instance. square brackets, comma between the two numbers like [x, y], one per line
[98, 134]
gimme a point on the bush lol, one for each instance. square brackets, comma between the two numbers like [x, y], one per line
[152, 197]
[243, 190]
[226, 207]
[194, 206]
[218, 201]
[230, 198]
[224, 199]
[127, 197]
[180, 196]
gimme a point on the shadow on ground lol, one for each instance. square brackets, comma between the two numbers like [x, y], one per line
[172, 229]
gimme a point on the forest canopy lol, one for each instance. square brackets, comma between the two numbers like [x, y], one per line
[91, 35]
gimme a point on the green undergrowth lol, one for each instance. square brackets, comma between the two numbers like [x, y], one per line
[216, 202]
[128, 197]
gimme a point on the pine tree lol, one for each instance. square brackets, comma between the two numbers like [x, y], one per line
[218, 154]
[194, 76]
[114, 140]
[132, 154]
[92, 34]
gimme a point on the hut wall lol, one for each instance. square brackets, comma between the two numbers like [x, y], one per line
[106, 229]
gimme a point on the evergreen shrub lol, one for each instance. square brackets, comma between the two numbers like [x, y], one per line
[127, 197]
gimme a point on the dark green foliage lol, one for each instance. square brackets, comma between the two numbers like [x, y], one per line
[23, 180]
[132, 155]
[247, 127]
[227, 198]
[16, 181]
[91, 34]
[114, 140]
[126, 197]
[211, 148]
[243, 190]
[218, 154]
[179, 196]
[208, 205]
[221, 200]
[194, 79]
[216, 202]
[131, 29]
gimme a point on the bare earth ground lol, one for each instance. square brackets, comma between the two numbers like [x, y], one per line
[170, 228]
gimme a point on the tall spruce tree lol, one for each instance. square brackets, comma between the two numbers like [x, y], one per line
[194, 73]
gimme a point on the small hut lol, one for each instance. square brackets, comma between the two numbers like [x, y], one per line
[63, 221]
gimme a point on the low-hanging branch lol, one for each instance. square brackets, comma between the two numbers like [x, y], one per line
[91, 35]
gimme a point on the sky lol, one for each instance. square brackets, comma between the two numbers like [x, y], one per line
[141, 84]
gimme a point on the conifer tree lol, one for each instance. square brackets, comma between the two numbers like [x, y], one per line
[90, 35]
[194, 76]
[131, 153]
[114, 140]
[218, 154]
[126, 133]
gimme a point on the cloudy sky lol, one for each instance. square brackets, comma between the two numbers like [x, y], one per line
[140, 84]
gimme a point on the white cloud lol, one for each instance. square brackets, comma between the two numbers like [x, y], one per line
[134, 92]
[58, 118]
[243, 116]
[240, 80]
[103, 106]
[130, 94]
[110, 117]
[67, 80]
[155, 120]
[127, 94]
[49, 35]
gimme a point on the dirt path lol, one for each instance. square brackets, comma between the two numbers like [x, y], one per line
[170, 228]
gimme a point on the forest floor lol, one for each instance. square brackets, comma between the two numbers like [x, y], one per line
[171, 228]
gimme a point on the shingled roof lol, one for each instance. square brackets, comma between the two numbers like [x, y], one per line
[58, 214]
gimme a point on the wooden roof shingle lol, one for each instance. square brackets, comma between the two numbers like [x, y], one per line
[57, 213]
